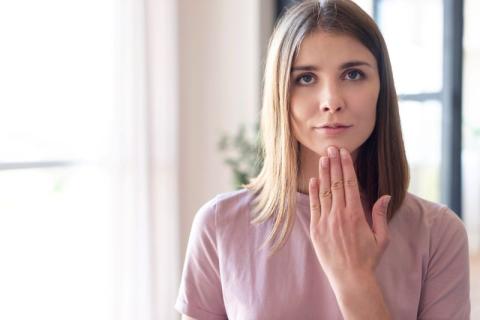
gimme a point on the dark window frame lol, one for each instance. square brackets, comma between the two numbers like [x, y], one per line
[450, 98]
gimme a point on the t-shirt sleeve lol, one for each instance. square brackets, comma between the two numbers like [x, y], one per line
[200, 294]
[446, 290]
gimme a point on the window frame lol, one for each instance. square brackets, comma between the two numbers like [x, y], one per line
[450, 97]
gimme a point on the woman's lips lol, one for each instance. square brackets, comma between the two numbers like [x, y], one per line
[332, 130]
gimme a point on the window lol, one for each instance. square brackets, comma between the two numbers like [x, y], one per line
[416, 53]
[56, 235]
[471, 141]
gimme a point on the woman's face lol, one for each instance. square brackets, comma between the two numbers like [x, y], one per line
[334, 91]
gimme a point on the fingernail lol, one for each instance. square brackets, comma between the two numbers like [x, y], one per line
[324, 162]
[386, 201]
[332, 152]
[344, 153]
[312, 182]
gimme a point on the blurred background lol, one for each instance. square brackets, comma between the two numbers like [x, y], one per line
[120, 118]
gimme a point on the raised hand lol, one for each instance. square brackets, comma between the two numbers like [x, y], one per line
[345, 245]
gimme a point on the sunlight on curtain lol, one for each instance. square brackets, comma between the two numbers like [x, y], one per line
[162, 37]
[56, 236]
[75, 238]
[131, 169]
[56, 244]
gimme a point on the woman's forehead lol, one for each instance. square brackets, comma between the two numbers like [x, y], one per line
[326, 49]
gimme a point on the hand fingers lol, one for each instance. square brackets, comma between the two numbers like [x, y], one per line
[336, 178]
[379, 221]
[352, 193]
[314, 201]
[325, 193]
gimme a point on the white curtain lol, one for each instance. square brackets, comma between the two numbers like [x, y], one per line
[163, 101]
[146, 167]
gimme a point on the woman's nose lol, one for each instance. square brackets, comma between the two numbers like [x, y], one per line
[331, 107]
[331, 99]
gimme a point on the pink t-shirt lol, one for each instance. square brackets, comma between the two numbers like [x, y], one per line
[423, 274]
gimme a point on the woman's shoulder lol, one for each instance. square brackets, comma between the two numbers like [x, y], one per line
[429, 213]
[230, 200]
[234, 197]
[226, 205]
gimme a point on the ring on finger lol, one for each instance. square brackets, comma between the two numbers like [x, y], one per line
[326, 194]
[337, 185]
[351, 182]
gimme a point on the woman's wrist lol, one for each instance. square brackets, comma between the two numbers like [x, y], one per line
[359, 296]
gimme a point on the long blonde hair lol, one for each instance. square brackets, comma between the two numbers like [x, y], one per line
[381, 164]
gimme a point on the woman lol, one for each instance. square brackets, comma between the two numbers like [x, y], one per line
[347, 239]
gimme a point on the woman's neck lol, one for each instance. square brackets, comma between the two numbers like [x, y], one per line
[309, 166]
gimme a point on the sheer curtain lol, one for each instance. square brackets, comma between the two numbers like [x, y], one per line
[56, 101]
[130, 172]
[146, 169]
[88, 167]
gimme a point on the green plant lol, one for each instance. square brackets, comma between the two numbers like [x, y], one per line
[242, 154]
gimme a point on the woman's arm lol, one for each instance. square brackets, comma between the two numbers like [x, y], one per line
[200, 292]
[184, 317]
[446, 287]
[361, 298]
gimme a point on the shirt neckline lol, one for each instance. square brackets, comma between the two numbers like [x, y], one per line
[303, 199]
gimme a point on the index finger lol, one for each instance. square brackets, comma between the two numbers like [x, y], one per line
[352, 193]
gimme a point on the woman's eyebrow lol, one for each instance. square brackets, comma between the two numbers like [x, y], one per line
[304, 68]
[346, 65]
[355, 63]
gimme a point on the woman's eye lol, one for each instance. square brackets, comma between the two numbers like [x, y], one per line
[305, 79]
[354, 75]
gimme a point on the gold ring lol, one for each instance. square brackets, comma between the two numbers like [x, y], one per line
[326, 194]
[351, 182]
[337, 185]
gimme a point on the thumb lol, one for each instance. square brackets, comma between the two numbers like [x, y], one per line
[379, 220]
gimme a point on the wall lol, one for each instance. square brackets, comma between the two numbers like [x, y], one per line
[220, 52]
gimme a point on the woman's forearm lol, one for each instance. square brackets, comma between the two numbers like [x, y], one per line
[361, 298]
